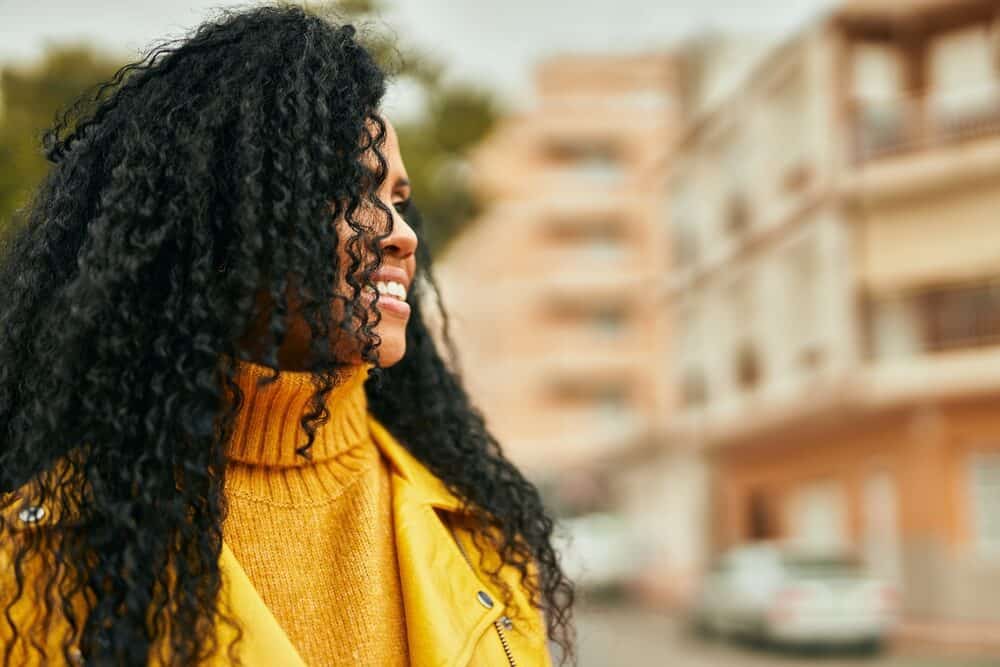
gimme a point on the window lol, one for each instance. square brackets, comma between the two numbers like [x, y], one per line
[803, 296]
[597, 163]
[797, 178]
[748, 370]
[878, 94]
[737, 213]
[892, 328]
[786, 118]
[694, 391]
[576, 319]
[685, 240]
[877, 73]
[604, 247]
[595, 240]
[963, 79]
[762, 520]
[938, 320]
[817, 515]
[611, 402]
[607, 403]
[960, 317]
[984, 492]
[881, 128]
[688, 357]
[743, 315]
[608, 321]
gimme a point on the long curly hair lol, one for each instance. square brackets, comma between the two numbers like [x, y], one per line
[210, 169]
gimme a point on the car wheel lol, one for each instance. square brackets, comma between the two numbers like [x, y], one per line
[701, 627]
[871, 647]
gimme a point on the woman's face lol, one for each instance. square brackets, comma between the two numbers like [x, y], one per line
[399, 262]
[393, 279]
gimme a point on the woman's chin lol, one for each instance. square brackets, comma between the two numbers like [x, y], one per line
[391, 349]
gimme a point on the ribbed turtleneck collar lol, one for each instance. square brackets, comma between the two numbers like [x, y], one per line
[267, 431]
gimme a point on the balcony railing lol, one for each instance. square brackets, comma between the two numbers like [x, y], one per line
[586, 165]
[938, 320]
[960, 318]
[886, 128]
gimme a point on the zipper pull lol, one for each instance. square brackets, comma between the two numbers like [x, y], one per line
[507, 623]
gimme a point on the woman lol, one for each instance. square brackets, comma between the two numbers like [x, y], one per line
[228, 435]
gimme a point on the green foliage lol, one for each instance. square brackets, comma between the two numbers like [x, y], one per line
[455, 116]
[31, 97]
[434, 148]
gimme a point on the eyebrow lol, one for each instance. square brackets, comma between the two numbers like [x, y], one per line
[403, 181]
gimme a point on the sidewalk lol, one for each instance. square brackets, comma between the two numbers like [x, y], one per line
[954, 637]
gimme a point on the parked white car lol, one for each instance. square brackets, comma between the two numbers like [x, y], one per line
[789, 596]
[597, 549]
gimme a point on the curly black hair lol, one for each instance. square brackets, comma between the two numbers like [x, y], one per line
[208, 170]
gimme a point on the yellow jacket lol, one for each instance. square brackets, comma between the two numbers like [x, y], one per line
[454, 615]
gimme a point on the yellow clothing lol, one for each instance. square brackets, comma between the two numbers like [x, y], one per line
[314, 535]
[454, 615]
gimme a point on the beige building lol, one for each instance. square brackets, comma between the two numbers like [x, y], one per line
[551, 289]
[553, 292]
[836, 293]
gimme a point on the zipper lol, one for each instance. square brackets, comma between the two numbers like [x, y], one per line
[502, 622]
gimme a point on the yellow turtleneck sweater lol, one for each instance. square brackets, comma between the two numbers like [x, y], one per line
[316, 537]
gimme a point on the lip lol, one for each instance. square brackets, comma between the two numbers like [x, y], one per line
[394, 273]
[390, 304]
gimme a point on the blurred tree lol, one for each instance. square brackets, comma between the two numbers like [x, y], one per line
[435, 148]
[453, 117]
[30, 97]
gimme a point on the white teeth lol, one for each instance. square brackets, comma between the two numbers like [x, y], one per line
[391, 288]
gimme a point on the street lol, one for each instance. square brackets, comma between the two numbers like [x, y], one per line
[611, 636]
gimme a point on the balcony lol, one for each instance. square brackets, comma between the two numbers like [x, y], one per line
[577, 437]
[918, 123]
[945, 319]
[596, 255]
[583, 165]
[932, 343]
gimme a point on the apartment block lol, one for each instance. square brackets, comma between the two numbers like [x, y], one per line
[836, 297]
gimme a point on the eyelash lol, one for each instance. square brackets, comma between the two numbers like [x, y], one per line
[403, 206]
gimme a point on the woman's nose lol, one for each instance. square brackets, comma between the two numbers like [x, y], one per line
[402, 241]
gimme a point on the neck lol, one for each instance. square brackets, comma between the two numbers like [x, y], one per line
[268, 430]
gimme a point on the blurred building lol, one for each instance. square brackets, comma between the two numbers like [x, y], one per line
[836, 294]
[552, 293]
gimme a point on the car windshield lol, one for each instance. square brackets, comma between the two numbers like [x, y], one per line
[816, 566]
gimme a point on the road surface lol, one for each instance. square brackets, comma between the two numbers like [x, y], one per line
[615, 636]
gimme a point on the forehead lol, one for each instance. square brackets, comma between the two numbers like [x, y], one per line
[390, 147]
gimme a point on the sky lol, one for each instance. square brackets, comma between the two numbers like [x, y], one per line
[488, 41]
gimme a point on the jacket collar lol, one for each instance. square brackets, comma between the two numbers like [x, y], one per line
[445, 617]
[442, 594]
[423, 486]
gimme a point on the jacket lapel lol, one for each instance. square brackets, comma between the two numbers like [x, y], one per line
[441, 593]
[445, 618]
[264, 642]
